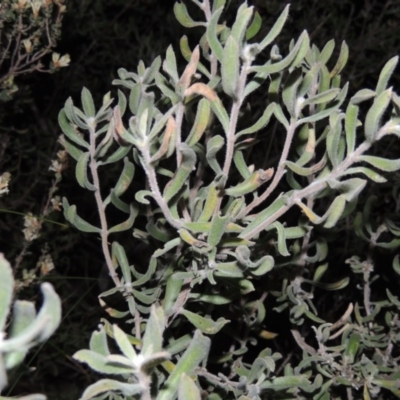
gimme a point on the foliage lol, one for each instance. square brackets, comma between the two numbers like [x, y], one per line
[227, 232]
[27, 328]
[29, 31]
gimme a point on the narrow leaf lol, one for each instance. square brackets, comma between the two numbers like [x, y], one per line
[276, 29]
[386, 74]
[87, 103]
[375, 113]
[181, 176]
[381, 163]
[183, 17]
[230, 67]
[190, 360]
[206, 325]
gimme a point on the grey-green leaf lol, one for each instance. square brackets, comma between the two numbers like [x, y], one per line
[385, 75]
[230, 67]
[6, 290]
[187, 389]
[276, 29]
[87, 103]
[183, 17]
[375, 113]
[212, 35]
[184, 170]
[206, 325]
[190, 360]
[381, 163]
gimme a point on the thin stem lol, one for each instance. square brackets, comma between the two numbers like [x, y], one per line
[155, 190]
[310, 190]
[100, 208]
[179, 119]
[279, 172]
[234, 116]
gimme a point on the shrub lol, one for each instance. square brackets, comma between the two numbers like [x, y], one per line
[229, 227]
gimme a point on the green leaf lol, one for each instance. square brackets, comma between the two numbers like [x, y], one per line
[190, 360]
[261, 123]
[6, 290]
[300, 49]
[265, 265]
[98, 342]
[217, 230]
[276, 29]
[217, 4]
[229, 269]
[81, 172]
[282, 248]
[183, 17]
[153, 336]
[212, 35]
[23, 315]
[306, 171]
[181, 176]
[127, 224]
[163, 85]
[187, 389]
[371, 174]
[73, 151]
[352, 347]
[206, 325]
[110, 385]
[125, 178]
[333, 141]
[118, 154]
[375, 113]
[230, 67]
[321, 98]
[187, 54]
[100, 363]
[350, 127]
[151, 71]
[49, 312]
[319, 272]
[69, 131]
[254, 27]
[240, 164]
[213, 146]
[243, 17]
[87, 103]
[170, 66]
[336, 210]
[118, 252]
[210, 204]
[327, 51]
[334, 286]
[289, 92]
[250, 184]
[200, 124]
[381, 163]
[342, 60]
[262, 216]
[71, 216]
[385, 75]
[362, 95]
[123, 343]
[286, 382]
[328, 111]
[172, 290]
